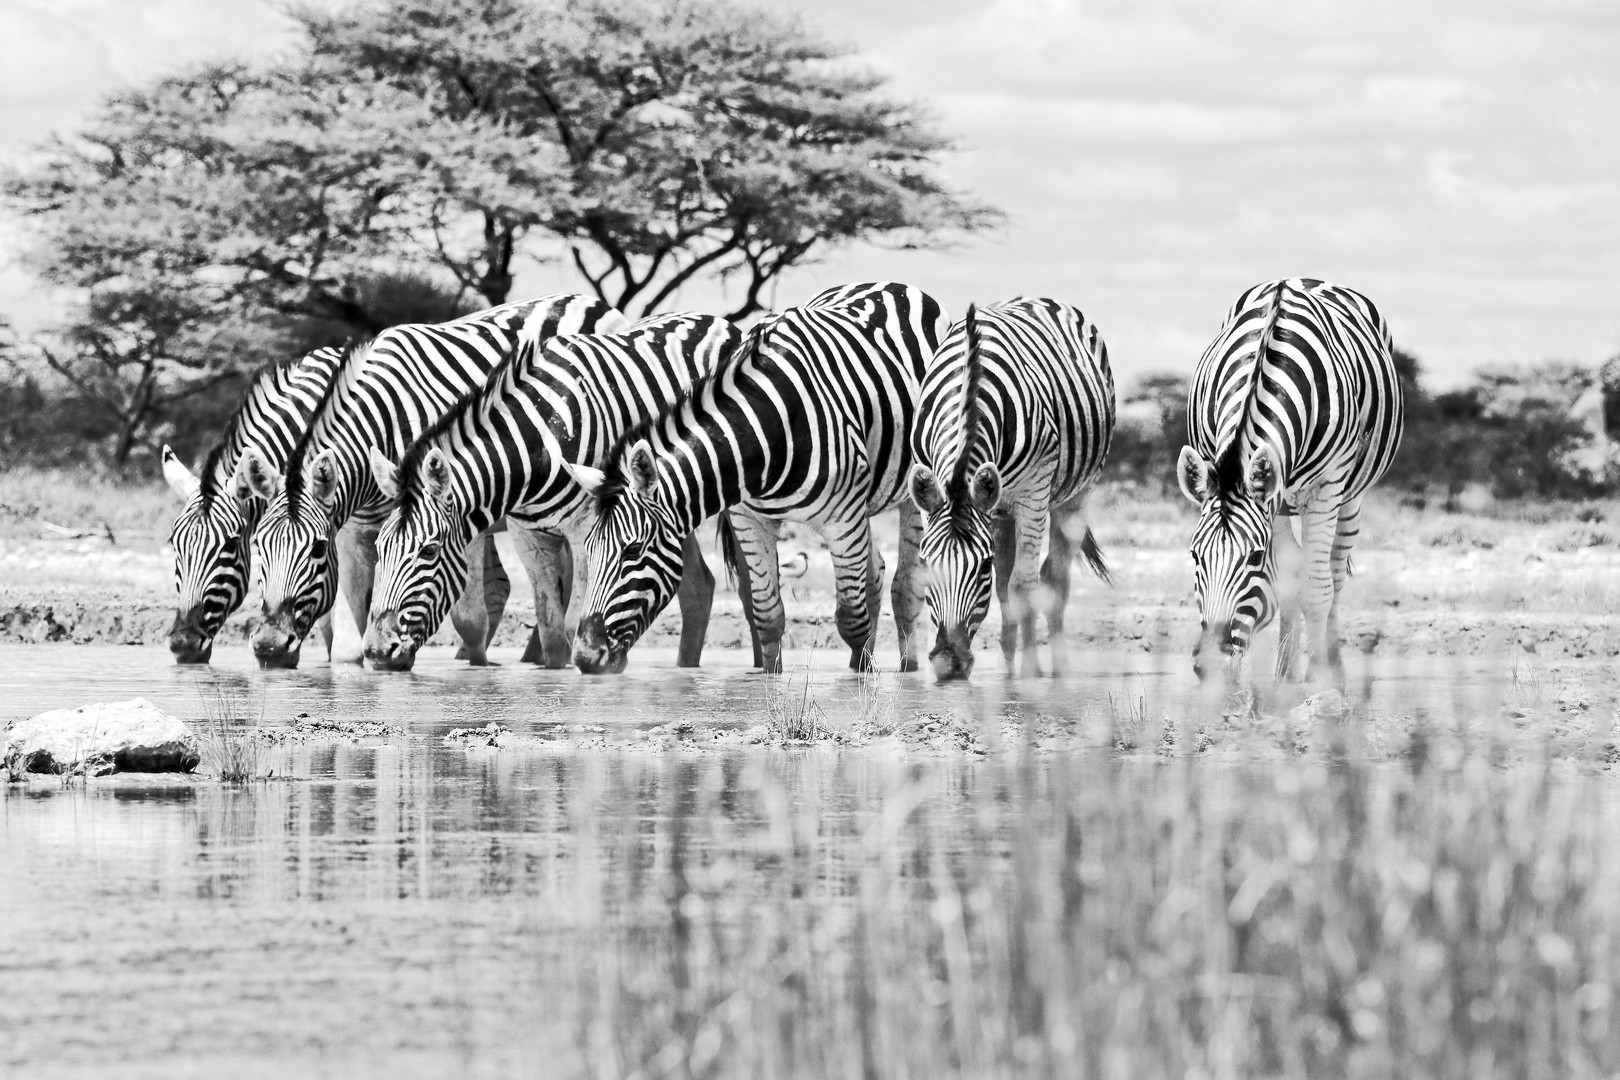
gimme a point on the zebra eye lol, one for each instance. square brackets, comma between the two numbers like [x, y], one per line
[428, 552]
[1257, 556]
[317, 550]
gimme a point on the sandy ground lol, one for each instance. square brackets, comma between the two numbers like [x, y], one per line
[1540, 580]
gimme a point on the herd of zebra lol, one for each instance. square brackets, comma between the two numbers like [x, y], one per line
[362, 485]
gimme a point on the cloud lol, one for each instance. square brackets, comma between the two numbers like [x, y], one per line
[1455, 159]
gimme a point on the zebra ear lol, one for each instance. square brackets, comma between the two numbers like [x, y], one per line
[1196, 475]
[1263, 476]
[435, 475]
[322, 479]
[643, 470]
[586, 477]
[386, 473]
[925, 489]
[985, 490]
[254, 476]
[182, 479]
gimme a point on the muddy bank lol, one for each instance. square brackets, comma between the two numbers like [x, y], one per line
[114, 618]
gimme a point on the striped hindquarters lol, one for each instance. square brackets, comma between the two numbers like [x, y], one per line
[1322, 392]
[1044, 414]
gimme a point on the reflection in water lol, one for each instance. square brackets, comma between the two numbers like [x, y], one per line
[399, 906]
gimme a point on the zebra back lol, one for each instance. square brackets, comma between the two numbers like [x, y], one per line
[1024, 385]
[1304, 367]
[507, 440]
[405, 379]
[775, 422]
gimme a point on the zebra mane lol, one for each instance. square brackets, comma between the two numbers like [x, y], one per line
[293, 483]
[410, 463]
[1228, 467]
[615, 481]
[972, 404]
[263, 377]
[410, 480]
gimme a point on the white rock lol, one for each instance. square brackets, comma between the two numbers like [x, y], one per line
[116, 736]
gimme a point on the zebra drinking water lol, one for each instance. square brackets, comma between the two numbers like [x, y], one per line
[500, 452]
[1295, 410]
[1016, 417]
[809, 420]
[390, 390]
[210, 537]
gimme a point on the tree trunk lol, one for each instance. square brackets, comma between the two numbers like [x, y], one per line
[496, 283]
[134, 414]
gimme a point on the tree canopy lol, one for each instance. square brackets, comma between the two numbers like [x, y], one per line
[653, 140]
[216, 218]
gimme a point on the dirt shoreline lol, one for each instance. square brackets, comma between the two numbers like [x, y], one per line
[108, 617]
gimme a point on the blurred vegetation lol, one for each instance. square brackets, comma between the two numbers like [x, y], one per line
[396, 165]
[1129, 910]
[1531, 431]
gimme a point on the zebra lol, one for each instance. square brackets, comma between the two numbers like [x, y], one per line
[1294, 410]
[1017, 413]
[390, 390]
[809, 420]
[499, 453]
[210, 535]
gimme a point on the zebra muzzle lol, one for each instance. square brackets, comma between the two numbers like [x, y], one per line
[952, 655]
[1220, 649]
[388, 647]
[188, 640]
[276, 643]
[594, 652]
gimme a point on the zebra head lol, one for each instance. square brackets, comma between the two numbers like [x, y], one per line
[633, 552]
[421, 558]
[958, 548]
[1234, 569]
[209, 539]
[293, 566]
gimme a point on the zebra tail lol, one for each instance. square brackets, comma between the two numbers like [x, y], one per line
[726, 537]
[1094, 557]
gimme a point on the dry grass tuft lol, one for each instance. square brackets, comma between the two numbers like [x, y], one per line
[230, 748]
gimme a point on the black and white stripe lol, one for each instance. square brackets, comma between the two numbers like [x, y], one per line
[388, 392]
[1295, 410]
[210, 537]
[501, 452]
[808, 421]
[1017, 414]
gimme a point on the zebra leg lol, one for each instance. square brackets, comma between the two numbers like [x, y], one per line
[1289, 559]
[323, 626]
[696, 596]
[756, 549]
[725, 534]
[469, 615]
[357, 563]
[546, 559]
[1320, 521]
[1344, 540]
[906, 591]
[1031, 522]
[1055, 582]
[497, 587]
[1006, 540]
[858, 584]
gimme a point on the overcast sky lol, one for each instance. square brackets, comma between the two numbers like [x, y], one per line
[1457, 160]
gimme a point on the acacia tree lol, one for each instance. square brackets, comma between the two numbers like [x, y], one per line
[689, 138]
[220, 217]
[216, 220]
